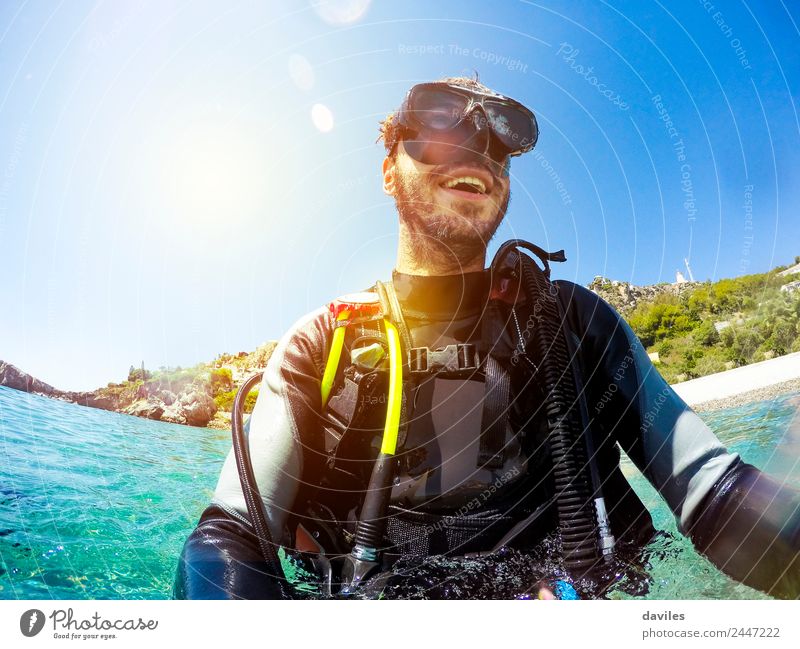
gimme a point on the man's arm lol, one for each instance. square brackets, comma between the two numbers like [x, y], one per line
[221, 559]
[742, 520]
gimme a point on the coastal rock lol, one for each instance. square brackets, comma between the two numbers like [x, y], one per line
[150, 409]
[173, 414]
[13, 377]
[95, 400]
[198, 408]
[624, 296]
[194, 407]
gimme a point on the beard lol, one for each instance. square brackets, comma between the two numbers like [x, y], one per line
[442, 233]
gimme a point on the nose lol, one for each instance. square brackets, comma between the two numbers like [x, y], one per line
[477, 115]
[479, 141]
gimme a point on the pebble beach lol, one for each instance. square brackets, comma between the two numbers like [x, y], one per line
[757, 382]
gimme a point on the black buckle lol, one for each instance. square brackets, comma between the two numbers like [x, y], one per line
[462, 357]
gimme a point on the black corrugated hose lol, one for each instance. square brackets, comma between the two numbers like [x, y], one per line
[577, 518]
[252, 497]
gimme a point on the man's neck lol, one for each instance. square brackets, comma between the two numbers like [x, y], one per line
[417, 257]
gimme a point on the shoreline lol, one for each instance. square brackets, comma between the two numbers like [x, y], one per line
[762, 381]
[768, 393]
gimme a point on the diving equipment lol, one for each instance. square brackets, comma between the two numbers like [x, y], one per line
[447, 123]
[579, 534]
[306, 485]
[255, 506]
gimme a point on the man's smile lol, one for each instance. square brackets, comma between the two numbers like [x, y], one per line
[470, 183]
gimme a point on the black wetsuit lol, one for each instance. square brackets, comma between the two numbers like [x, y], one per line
[743, 521]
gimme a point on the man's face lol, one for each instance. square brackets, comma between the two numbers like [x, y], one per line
[459, 204]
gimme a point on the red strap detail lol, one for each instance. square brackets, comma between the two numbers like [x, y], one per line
[358, 304]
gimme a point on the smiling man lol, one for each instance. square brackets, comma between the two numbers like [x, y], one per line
[457, 409]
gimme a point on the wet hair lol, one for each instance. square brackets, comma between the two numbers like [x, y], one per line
[391, 132]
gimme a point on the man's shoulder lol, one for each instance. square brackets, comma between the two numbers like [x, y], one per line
[588, 314]
[316, 326]
[577, 297]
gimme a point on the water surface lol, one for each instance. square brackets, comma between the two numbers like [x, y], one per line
[97, 505]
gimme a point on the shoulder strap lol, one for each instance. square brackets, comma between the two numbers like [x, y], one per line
[496, 400]
[391, 306]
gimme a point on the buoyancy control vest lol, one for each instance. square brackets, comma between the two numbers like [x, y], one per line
[492, 441]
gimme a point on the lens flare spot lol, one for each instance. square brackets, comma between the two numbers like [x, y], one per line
[322, 117]
[340, 12]
[301, 72]
[212, 171]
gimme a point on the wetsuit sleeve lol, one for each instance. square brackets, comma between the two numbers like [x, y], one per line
[221, 558]
[731, 511]
[749, 526]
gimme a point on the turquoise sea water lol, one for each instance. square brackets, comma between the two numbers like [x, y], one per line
[97, 505]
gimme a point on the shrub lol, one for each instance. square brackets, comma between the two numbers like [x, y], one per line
[224, 400]
[709, 365]
[744, 345]
[706, 334]
[664, 348]
[664, 318]
[221, 380]
[138, 374]
[781, 337]
[698, 301]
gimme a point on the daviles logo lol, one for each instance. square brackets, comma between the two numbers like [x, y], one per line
[666, 615]
[31, 622]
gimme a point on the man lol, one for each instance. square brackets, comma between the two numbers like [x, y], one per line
[479, 454]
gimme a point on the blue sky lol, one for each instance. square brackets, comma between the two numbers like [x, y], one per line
[168, 190]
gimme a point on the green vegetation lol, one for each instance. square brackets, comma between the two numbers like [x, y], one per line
[224, 400]
[754, 320]
[219, 380]
[124, 393]
[138, 374]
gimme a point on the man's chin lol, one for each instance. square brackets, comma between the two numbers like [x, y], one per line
[444, 221]
[455, 230]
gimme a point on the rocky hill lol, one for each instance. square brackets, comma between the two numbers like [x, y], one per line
[625, 297]
[197, 396]
[690, 329]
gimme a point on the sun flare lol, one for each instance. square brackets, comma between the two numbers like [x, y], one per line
[211, 171]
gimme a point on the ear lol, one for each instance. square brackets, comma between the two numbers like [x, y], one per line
[388, 176]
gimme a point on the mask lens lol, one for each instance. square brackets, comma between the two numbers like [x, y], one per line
[431, 146]
[437, 109]
[515, 128]
[439, 131]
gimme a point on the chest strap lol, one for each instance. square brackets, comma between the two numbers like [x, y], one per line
[457, 359]
[494, 419]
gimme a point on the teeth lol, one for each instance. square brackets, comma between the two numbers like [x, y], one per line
[470, 180]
